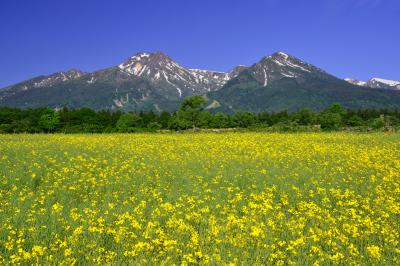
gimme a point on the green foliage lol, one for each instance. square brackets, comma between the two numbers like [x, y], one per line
[164, 119]
[304, 117]
[337, 109]
[127, 122]
[330, 121]
[243, 119]
[191, 115]
[378, 123]
[355, 121]
[177, 123]
[190, 110]
[220, 120]
[192, 103]
[49, 120]
[331, 118]
[154, 126]
[205, 119]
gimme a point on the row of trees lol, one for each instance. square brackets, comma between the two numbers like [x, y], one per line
[191, 115]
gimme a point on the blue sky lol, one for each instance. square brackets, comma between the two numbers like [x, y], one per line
[348, 38]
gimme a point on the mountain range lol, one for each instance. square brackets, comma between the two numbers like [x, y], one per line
[154, 81]
[378, 83]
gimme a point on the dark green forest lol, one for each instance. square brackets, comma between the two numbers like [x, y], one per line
[192, 116]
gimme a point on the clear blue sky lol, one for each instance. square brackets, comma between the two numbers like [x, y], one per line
[348, 38]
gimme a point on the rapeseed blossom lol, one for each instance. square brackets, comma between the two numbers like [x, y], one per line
[200, 198]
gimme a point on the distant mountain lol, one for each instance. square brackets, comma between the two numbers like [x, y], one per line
[154, 81]
[46, 81]
[144, 81]
[164, 72]
[356, 82]
[284, 82]
[377, 83]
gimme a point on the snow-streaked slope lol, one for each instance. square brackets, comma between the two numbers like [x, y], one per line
[281, 82]
[281, 65]
[356, 82]
[161, 70]
[145, 79]
[207, 77]
[153, 81]
[383, 83]
[46, 81]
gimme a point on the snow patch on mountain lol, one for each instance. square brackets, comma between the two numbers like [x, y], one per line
[284, 55]
[265, 78]
[161, 69]
[377, 83]
[356, 82]
[281, 65]
[391, 83]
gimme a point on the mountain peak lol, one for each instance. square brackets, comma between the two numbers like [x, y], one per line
[281, 65]
[386, 81]
[164, 72]
[150, 56]
[149, 62]
[152, 80]
[383, 83]
[73, 73]
[281, 54]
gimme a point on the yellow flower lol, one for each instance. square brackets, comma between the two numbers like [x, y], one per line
[67, 252]
[169, 199]
[38, 250]
[256, 231]
[374, 251]
[264, 171]
[57, 208]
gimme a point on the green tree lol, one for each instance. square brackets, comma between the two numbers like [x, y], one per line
[190, 110]
[49, 121]
[330, 121]
[154, 126]
[337, 109]
[127, 122]
[304, 117]
[244, 119]
[332, 117]
[205, 119]
[379, 122]
[147, 118]
[177, 123]
[164, 119]
[220, 120]
[355, 121]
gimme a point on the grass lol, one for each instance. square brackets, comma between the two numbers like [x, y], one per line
[200, 198]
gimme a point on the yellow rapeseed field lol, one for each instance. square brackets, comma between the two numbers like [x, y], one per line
[200, 198]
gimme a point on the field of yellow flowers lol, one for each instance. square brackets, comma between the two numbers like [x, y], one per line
[200, 198]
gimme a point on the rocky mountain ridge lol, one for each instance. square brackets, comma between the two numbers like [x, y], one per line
[154, 81]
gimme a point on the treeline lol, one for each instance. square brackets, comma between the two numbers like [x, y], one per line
[191, 115]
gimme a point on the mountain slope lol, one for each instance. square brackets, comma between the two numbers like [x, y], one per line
[356, 82]
[153, 81]
[144, 81]
[383, 83]
[44, 81]
[283, 82]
